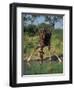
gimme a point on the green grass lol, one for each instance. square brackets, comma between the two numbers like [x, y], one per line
[45, 68]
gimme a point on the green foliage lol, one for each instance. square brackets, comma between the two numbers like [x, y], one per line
[57, 41]
[44, 25]
[30, 30]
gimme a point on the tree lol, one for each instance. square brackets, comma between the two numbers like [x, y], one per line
[43, 25]
[30, 18]
[52, 20]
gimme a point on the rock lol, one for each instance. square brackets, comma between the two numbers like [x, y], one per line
[54, 58]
